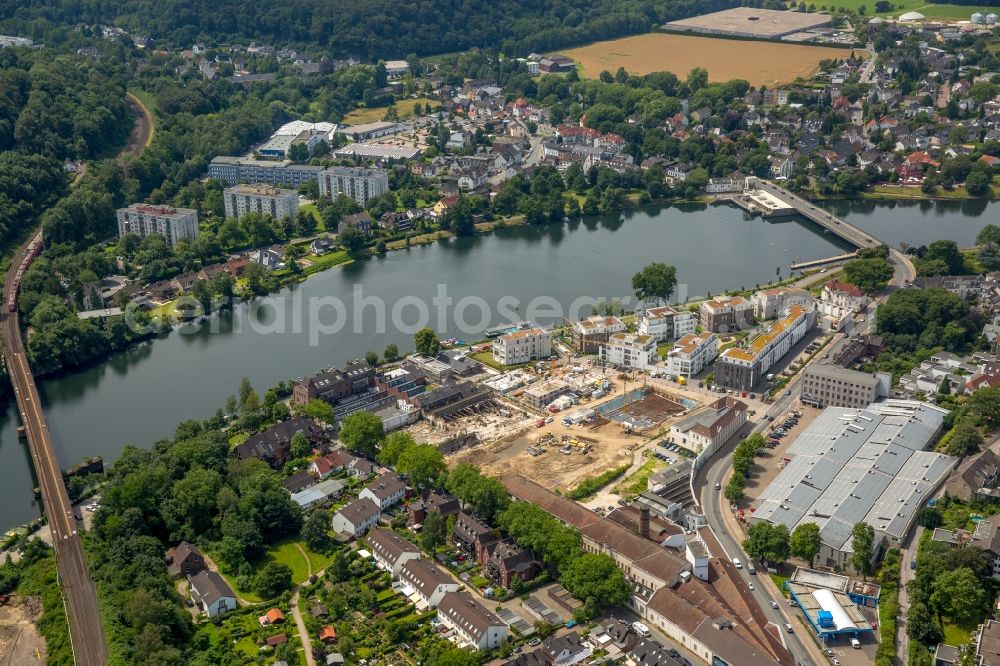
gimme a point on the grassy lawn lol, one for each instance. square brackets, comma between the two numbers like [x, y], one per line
[779, 582]
[237, 439]
[958, 634]
[404, 109]
[486, 358]
[322, 262]
[639, 481]
[930, 10]
[288, 554]
[312, 210]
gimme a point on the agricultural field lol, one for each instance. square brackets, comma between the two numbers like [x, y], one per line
[758, 62]
[404, 109]
[930, 10]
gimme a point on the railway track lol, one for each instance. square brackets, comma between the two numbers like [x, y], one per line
[79, 592]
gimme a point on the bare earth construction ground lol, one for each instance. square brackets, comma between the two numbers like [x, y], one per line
[725, 59]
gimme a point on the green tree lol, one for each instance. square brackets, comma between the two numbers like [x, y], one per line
[300, 445]
[863, 544]
[315, 531]
[977, 183]
[391, 353]
[734, 488]
[868, 275]
[320, 410]
[427, 342]
[765, 541]
[965, 439]
[921, 625]
[362, 433]
[394, 446]
[656, 282]
[596, 576]
[424, 464]
[273, 579]
[432, 531]
[805, 541]
[958, 594]
[929, 518]
[371, 358]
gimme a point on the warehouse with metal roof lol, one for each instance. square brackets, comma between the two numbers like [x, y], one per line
[851, 465]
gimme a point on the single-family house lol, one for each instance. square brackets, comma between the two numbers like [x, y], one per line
[356, 518]
[211, 593]
[184, 560]
[385, 491]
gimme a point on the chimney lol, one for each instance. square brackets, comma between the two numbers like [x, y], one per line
[644, 521]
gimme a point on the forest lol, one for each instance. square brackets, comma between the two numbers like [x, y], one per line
[52, 109]
[368, 29]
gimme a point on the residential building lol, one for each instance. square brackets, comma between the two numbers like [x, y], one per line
[708, 429]
[768, 303]
[396, 69]
[540, 394]
[976, 477]
[385, 491]
[356, 518]
[361, 185]
[334, 384]
[211, 593]
[565, 650]
[506, 560]
[174, 224]
[833, 386]
[744, 367]
[725, 314]
[471, 622]
[434, 502]
[320, 493]
[233, 170]
[988, 643]
[692, 354]
[590, 334]
[273, 445]
[665, 323]
[852, 465]
[272, 201]
[184, 560]
[390, 550]
[473, 536]
[986, 537]
[840, 298]
[361, 221]
[522, 346]
[341, 460]
[629, 350]
[426, 582]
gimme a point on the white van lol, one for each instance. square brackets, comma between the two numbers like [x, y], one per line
[641, 629]
[751, 570]
[855, 643]
[737, 563]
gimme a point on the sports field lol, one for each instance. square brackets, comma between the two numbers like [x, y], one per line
[756, 61]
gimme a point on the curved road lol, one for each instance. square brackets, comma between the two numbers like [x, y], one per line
[714, 472]
[143, 130]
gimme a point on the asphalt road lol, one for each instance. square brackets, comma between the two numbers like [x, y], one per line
[78, 589]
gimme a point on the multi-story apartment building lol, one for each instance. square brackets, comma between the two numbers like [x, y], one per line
[834, 386]
[692, 353]
[665, 323]
[233, 170]
[522, 346]
[725, 314]
[174, 224]
[709, 429]
[744, 367]
[279, 204]
[356, 183]
[630, 350]
[590, 334]
[768, 303]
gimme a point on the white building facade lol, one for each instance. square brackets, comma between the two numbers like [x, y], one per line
[630, 350]
[174, 224]
[356, 183]
[522, 346]
[692, 353]
[665, 323]
[275, 202]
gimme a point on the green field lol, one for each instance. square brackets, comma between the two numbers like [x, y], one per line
[930, 10]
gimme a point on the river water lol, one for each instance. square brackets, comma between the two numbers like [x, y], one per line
[140, 395]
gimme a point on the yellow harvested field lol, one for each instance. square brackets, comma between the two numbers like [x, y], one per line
[758, 62]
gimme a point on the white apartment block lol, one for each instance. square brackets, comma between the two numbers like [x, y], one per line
[174, 224]
[522, 346]
[840, 298]
[665, 323]
[692, 354]
[242, 199]
[630, 350]
[768, 303]
[356, 183]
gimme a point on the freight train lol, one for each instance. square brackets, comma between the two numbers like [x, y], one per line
[34, 247]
